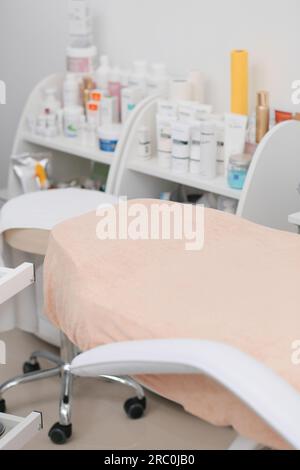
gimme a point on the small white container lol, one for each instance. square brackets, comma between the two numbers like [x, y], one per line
[180, 165]
[41, 125]
[131, 97]
[208, 164]
[138, 78]
[195, 148]
[158, 82]
[51, 103]
[181, 138]
[109, 111]
[164, 140]
[103, 73]
[109, 137]
[72, 121]
[180, 90]
[144, 143]
[197, 81]
[71, 91]
[81, 60]
[93, 112]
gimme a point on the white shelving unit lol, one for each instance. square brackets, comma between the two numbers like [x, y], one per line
[71, 147]
[151, 168]
[70, 158]
[138, 178]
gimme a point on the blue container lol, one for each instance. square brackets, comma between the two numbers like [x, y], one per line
[238, 170]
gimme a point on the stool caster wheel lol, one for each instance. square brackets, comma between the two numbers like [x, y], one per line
[2, 406]
[135, 408]
[60, 434]
[29, 367]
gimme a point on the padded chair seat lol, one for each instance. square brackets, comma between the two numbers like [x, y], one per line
[241, 289]
[43, 210]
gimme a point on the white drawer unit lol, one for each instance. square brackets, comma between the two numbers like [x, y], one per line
[13, 281]
[16, 432]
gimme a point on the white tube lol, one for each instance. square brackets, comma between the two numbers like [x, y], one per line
[197, 82]
[208, 163]
[181, 90]
[164, 140]
[235, 136]
[181, 137]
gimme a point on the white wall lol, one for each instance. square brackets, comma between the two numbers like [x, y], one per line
[183, 33]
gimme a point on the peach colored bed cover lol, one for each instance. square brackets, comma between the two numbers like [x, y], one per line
[241, 289]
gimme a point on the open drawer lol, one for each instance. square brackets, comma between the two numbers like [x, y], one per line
[13, 281]
[17, 432]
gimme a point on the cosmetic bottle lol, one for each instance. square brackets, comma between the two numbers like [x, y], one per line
[158, 82]
[51, 104]
[130, 98]
[235, 135]
[87, 85]
[71, 91]
[167, 108]
[80, 23]
[103, 73]
[164, 125]
[180, 90]
[262, 115]
[208, 163]
[144, 143]
[197, 82]
[138, 78]
[109, 111]
[115, 87]
[181, 139]
[282, 116]
[93, 112]
[220, 137]
[195, 157]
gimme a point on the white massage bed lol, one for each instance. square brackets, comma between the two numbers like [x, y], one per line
[94, 301]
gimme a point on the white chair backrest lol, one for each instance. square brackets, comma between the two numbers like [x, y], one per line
[272, 190]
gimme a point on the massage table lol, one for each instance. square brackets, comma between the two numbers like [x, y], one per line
[228, 313]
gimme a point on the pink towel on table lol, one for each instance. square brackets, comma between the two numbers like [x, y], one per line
[241, 289]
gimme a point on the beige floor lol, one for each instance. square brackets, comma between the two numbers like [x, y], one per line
[98, 418]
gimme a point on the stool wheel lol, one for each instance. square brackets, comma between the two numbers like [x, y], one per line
[29, 367]
[2, 406]
[135, 408]
[60, 434]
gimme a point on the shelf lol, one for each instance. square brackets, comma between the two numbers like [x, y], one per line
[217, 186]
[70, 146]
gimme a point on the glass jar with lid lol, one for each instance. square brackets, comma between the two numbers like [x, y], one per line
[237, 170]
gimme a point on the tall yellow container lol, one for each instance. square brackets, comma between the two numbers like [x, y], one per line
[240, 82]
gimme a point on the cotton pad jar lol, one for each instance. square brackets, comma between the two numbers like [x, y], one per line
[109, 137]
[238, 170]
[82, 60]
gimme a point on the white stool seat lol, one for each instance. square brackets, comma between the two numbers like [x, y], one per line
[43, 210]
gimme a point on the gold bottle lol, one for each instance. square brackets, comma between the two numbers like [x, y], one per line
[262, 115]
